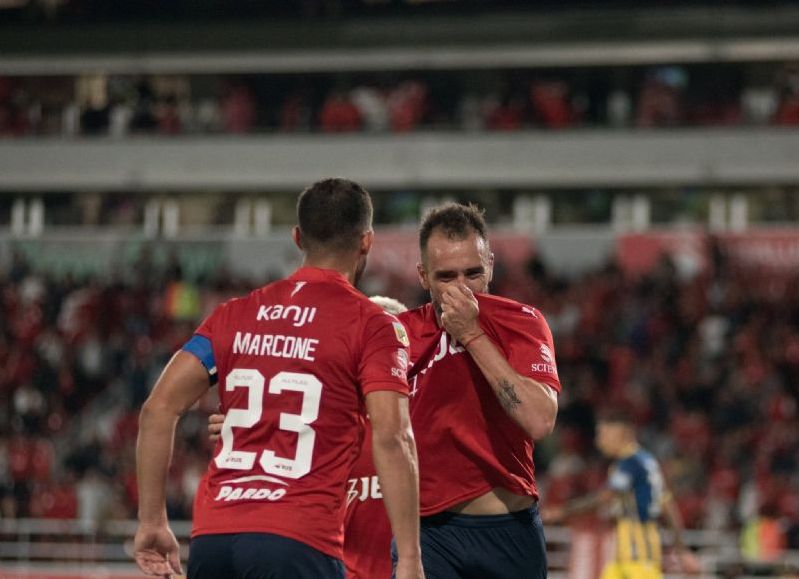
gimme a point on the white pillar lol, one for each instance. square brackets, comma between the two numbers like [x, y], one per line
[171, 218]
[621, 213]
[18, 210]
[739, 212]
[523, 213]
[717, 213]
[641, 212]
[242, 218]
[36, 217]
[152, 218]
[263, 217]
[542, 213]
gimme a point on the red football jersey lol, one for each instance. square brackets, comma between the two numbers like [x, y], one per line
[295, 359]
[467, 443]
[367, 531]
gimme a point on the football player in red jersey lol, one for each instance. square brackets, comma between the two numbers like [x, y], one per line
[367, 532]
[484, 386]
[295, 385]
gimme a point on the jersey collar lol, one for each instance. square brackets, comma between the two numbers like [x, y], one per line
[318, 274]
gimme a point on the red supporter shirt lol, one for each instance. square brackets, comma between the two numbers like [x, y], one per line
[295, 359]
[467, 443]
[367, 531]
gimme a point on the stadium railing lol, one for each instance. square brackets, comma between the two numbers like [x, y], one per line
[47, 548]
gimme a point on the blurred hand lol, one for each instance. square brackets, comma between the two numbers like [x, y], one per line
[215, 422]
[459, 313]
[687, 562]
[156, 550]
[409, 569]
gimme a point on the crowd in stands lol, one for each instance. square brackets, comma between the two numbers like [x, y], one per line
[708, 365]
[665, 96]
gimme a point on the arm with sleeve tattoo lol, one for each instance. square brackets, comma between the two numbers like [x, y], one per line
[532, 404]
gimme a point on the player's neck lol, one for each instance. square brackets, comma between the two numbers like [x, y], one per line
[345, 265]
[628, 450]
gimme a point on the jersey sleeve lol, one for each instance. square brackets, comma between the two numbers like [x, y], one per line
[384, 363]
[201, 348]
[526, 339]
[200, 344]
[206, 328]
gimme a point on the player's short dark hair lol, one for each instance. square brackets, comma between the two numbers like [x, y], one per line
[455, 220]
[617, 416]
[334, 214]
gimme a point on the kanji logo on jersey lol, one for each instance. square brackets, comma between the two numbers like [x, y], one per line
[298, 315]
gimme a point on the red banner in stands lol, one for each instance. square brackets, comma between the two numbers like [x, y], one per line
[768, 252]
[639, 253]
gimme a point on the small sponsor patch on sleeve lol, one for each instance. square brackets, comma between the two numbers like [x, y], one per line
[401, 333]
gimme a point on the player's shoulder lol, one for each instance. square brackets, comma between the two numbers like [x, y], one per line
[377, 321]
[416, 318]
[499, 309]
[641, 460]
[646, 459]
[234, 304]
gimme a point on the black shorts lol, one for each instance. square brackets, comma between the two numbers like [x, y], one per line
[511, 546]
[258, 556]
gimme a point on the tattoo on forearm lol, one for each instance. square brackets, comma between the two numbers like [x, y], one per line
[507, 396]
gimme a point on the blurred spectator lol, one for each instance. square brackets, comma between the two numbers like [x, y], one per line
[372, 107]
[660, 102]
[296, 114]
[788, 107]
[95, 118]
[120, 120]
[238, 109]
[168, 115]
[407, 105]
[508, 116]
[144, 109]
[339, 114]
[552, 104]
[619, 109]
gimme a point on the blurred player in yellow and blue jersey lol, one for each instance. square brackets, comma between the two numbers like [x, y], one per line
[639, 497]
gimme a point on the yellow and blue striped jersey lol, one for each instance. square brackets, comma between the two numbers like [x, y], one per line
[638, 483]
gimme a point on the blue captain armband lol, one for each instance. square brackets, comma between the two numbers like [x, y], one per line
[200, 347]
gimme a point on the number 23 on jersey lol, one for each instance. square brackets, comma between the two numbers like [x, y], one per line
[254, 381]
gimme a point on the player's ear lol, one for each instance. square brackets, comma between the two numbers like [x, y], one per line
[422, 273]
[297, 237]
[367, 239]
[490, 268]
